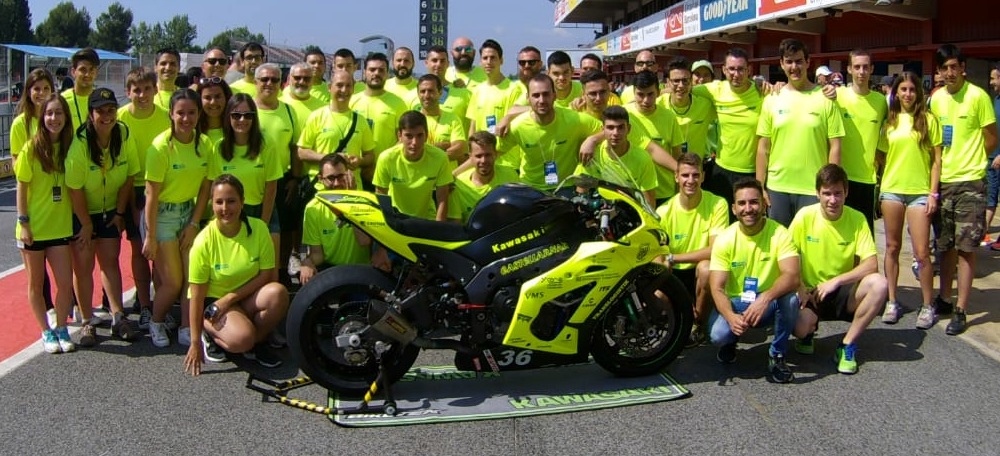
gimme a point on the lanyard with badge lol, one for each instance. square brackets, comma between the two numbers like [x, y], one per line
[551, 172]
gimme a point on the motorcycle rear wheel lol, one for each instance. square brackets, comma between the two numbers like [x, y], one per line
[647, 350]
[335, 303]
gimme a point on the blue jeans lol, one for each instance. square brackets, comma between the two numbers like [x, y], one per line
[782, 312]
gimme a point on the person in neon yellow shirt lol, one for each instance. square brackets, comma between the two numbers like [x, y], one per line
[620, 162]
[463, 56]
[176, 195]
[560, 69]
[644, 61]
[444, 129]
[402, 84]
[413, 172]
[214, 63]
[695, 114]
[754, 275]
[328, 243]
[590, 62]
[840, 278]
[454, 99]
[382, 109]
[320, 89]
[38, 88]
[84, 64]
[910, 148]
[344, 60]
[252, 55]
[968, 132]
[44, 219]
[473, 184]
[800, 131]
[492, 100]
[529, 63]
[215, 93]
[235, 303]
[693, 219]
[660, 125]
[298, 93]
[100, 167]
[328, 126]
[167, 65]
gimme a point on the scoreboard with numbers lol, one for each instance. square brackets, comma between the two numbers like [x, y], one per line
[433, 25]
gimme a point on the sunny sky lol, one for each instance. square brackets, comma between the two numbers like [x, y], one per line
[332, 24]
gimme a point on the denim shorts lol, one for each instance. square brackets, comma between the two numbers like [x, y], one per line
[171, 219]
[255, 210]
[906, 200]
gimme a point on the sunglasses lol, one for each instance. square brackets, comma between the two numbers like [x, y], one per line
[268, 80]
[528, 62]
[465, 49]
[301, 78]
[248, 115]
[207, 81]
[645, 63]
[217, 61]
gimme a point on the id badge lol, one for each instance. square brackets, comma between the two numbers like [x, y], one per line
[444, 95]
[491, 124]
[56, 194]
[749, 294]
[946, 134]
[684, 148]
[551, 175]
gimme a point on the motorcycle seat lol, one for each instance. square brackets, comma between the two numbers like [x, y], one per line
[418, 227]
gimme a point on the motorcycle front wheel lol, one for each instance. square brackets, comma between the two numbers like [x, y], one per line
[641, 338]
[335, 303]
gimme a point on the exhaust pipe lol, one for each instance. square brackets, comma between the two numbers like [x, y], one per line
[390, 323]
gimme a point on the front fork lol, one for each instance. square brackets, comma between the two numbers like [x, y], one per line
[636, 316]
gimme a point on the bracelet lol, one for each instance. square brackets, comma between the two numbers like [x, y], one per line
[935, 195]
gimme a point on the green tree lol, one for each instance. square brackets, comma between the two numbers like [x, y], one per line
[224, 40]
[66, 26]
[146, 39]
[179, 33]
[113, 28]
[15, 22]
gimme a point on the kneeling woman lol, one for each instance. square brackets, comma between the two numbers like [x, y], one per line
[234, 301]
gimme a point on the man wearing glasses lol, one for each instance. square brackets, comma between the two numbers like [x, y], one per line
[644, 61]
[214, 64]
[402, 84]
[694, 114]
[298, 92]
[463, 56]
[253, 56]
[529, 64]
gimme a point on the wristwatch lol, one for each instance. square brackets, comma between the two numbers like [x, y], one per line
[670, 259]
[22, 219]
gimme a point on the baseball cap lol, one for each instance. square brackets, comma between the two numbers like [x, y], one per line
[102, 97]
[823, 70]
[702, 64]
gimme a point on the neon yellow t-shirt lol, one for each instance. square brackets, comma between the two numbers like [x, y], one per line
[78, 107]
[49, 219]
[695, 121]
[227, 263]
[489, 100]
[177, 167]
[829, 248]
[143, 131]
[633, 170]
[279, 128]
[455, 102]
[320, 92]
[100, 184]
[302, 109]
[242, 86]
[19, 135]
[799, 125]
[755, 256]
[319, 227]
[162, 99]
[411, 184]
[738, 114]
[907, 164]
[445, 127]
[383, 114]
[663, 128]
[472, 78]
[465, 194]
[962, 117]
[558, 142]
[325, 129]
[864, 116]
[253, 173]
[575, 91]
[403, 91]
[214, 134]
[691, 230]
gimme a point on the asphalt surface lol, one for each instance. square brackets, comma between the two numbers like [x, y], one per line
[917, 392]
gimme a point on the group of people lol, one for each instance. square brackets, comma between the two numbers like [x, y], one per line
[213, 183]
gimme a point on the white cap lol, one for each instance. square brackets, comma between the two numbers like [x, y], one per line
[823, 70]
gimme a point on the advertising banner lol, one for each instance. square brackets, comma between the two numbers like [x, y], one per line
[721, 13]
[775, 6]
[675, 22]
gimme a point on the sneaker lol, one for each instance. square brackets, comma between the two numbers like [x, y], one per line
[943, 307]
[927, 317]
[892, 312]
[184, 336]
[995, 245]
[294, 265]
[145, 316]
[806, 345]
[986, 240]
[122, 328]
[171, 323]
[50, 315]
[88, 338]
[697, 336]
[158, 332]
[845, 359]
[103, 314]
[213, 352]
[727, 353]
[264, 355]
[49, 341]
[957, 324]
[66, 344]
[78, 318]
[276, 340]
[780, 372]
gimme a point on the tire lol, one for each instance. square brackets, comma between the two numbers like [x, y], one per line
[671, 321]
[335, 303]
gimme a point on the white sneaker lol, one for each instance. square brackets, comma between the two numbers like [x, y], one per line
[170, 322]
[892, 313]
[158, 332]
[184, 336]
[294, 265]
[50, 315]
[145, 316]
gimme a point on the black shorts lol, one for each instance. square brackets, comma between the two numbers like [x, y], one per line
[290, 215]
[689, 277]
[39, 246]
[834, 307]
[101, 228]
[131, 224]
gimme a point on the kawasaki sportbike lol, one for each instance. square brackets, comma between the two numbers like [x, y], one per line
[532, 280]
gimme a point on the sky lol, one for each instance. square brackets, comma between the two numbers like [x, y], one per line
[332, 24]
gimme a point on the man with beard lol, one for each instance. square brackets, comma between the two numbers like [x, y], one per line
[473, 184]
[252, 55]
[298, 92]
[454, 100]
[463, 55]
[167, 66]
[344, 60]
[381, 108]
[317, 61]
[444, 130]
[529, 64]
[402, 84]
[800, 131]
[754, 273]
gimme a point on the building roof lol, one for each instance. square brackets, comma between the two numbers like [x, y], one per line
[62, 53]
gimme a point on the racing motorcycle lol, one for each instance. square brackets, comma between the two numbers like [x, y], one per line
[532, 280]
